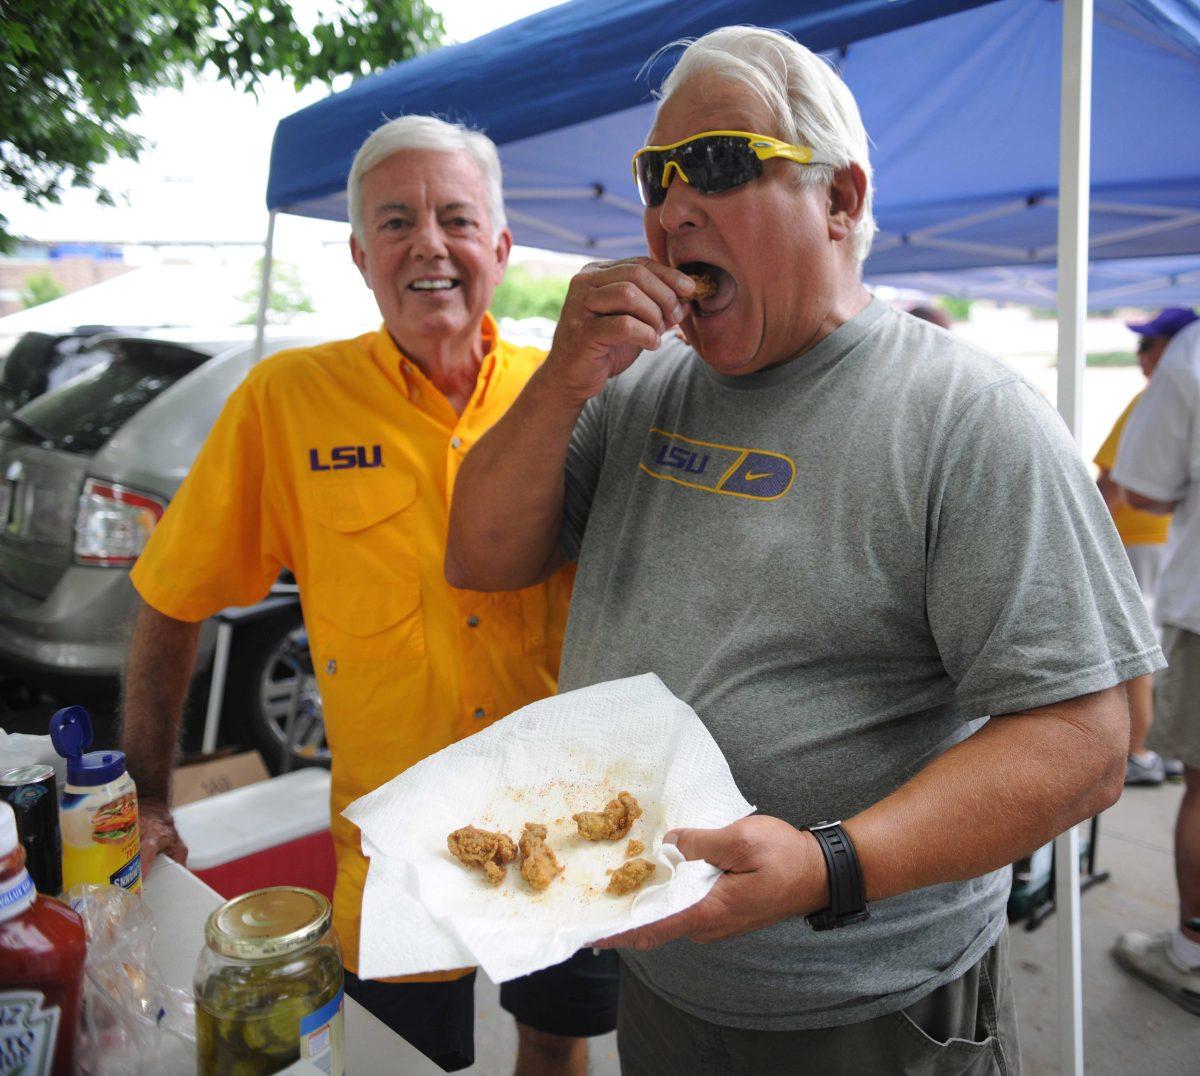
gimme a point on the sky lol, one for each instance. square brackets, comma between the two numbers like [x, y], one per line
[205, 177]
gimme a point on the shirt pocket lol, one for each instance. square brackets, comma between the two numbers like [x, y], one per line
[362, 594]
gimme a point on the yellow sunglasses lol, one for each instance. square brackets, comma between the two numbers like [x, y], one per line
[711, 161]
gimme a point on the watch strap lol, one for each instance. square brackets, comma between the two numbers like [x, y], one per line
[847, 890]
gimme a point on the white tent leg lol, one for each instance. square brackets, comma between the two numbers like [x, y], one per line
[1074, 170]
[264, 288]
[1070, 970]
[1075, 133]
[216, 689]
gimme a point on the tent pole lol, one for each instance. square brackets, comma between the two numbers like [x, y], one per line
[264, 288]
[1074, 182]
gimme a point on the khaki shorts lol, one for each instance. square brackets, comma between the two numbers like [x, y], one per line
[966, 1028]
[1176, 729]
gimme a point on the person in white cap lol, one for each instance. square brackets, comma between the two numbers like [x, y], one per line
[1158, 467]
[1144, 535]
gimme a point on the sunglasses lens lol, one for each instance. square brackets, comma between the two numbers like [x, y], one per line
[719, 163]
[649, 173]
[712, 164]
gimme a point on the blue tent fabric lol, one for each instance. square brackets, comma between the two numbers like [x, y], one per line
[1116, 282]
[1179, 20]
[555, 69]
[961, 101]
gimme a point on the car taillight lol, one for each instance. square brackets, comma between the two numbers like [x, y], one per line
[113, 524]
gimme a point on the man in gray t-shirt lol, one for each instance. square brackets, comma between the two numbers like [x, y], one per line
[840, 534]
[838, 562]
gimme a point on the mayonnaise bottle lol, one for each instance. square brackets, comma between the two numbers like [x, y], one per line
[98, 810]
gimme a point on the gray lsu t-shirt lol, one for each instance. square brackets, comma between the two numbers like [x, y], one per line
[838, 562]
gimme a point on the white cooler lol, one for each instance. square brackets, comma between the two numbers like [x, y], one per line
[273, 832]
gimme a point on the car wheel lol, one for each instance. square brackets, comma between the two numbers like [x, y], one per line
[270, 673]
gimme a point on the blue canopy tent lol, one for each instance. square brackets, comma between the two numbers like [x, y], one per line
[961, 100]
[964, 101]
[539, 85]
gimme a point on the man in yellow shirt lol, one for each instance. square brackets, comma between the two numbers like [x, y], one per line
[338, 462]
[1144, 535]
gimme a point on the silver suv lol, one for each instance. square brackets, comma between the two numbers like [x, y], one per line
[86, 471]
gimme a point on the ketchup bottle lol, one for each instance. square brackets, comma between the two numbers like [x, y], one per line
[42, 948]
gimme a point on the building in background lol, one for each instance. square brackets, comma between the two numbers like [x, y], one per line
[70, 266]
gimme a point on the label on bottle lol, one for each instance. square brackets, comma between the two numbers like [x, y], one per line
[100, 837]
[322, 1037]
[28, 1033]
[16, 895]
[130, 875]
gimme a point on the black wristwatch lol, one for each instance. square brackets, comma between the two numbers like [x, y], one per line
[847, 891]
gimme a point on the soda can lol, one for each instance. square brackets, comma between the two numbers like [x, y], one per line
[30, 790]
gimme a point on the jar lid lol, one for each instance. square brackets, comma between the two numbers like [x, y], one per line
[269, 922]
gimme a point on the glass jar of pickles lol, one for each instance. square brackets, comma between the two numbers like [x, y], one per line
[269, 986]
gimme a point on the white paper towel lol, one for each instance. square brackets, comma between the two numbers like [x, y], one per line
[424, 911]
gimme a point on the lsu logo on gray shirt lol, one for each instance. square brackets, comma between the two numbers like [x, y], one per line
[753, 473]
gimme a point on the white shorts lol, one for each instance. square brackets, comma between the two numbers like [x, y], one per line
[1146, 561]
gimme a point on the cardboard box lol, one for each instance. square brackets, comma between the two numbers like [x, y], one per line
[203, 779]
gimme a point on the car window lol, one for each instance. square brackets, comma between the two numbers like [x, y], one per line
[121, 377]
[24, 370]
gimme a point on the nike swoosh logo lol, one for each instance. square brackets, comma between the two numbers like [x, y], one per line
[754, 476]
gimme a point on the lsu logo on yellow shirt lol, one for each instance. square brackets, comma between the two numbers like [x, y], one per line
[752, 473]
[346, 457]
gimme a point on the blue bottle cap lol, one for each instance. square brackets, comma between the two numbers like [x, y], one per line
[71, 734]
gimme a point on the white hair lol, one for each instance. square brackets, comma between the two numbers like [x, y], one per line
[426, 132]
[811, 105]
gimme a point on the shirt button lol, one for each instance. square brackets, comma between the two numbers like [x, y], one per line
[481, 712]
[331, 666]
[456, 442]
[472, 621]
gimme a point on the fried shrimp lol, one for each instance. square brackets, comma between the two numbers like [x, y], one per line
[480, 848]
[611, 824]
[705, 286]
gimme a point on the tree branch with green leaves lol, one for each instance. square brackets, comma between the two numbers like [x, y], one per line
[71, 71]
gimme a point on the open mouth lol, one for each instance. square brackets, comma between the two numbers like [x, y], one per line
[441, 283]
[721, 289]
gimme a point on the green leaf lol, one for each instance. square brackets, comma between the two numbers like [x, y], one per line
[40, 288]
[71, 73]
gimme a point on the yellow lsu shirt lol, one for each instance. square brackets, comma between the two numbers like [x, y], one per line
[1133, 525]
[338, 462]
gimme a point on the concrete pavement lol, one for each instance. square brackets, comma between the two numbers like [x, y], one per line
[1129, 1029]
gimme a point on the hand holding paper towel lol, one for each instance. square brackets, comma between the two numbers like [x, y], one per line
[424, 911]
